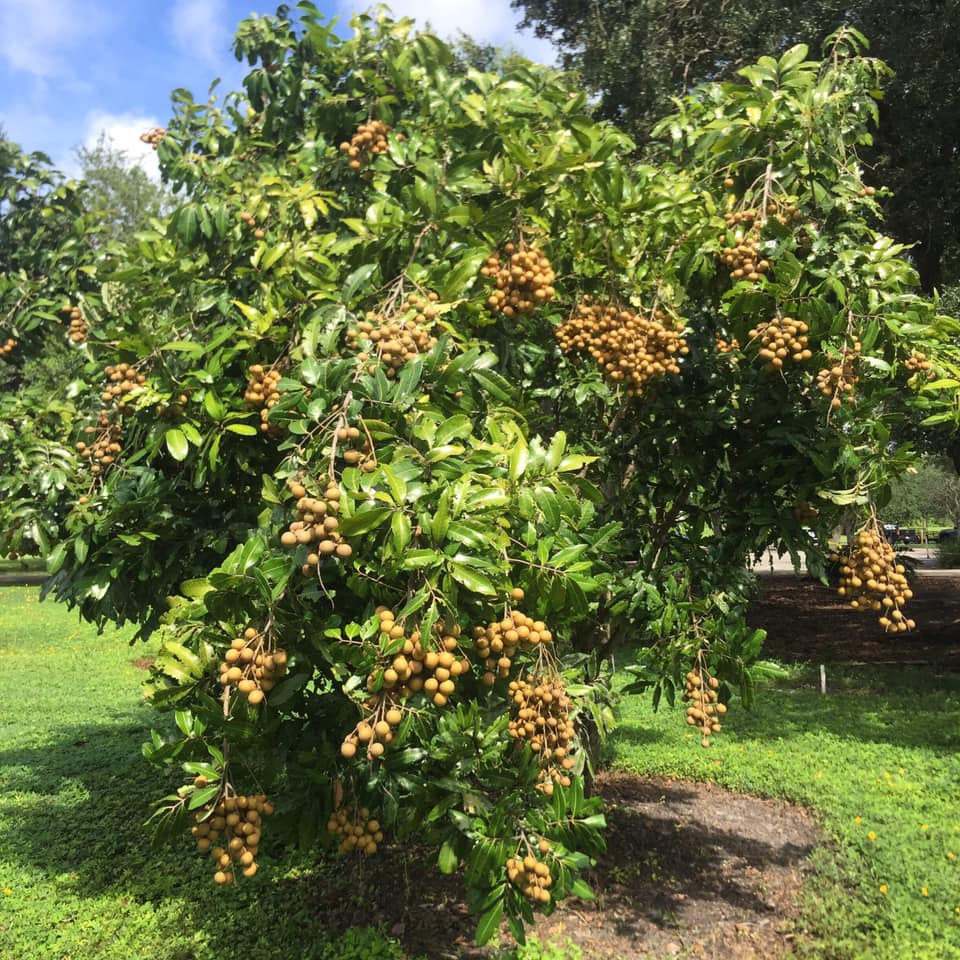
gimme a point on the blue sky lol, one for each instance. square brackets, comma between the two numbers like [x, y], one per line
[72, 68]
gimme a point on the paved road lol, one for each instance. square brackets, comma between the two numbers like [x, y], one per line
[926, 566]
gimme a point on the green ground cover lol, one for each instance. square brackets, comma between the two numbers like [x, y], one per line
[876, 760]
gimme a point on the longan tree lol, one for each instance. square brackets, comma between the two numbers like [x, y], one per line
[419, 363]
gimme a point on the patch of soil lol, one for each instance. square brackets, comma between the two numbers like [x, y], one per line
[143, 663]
[807, 621]
[691, 869]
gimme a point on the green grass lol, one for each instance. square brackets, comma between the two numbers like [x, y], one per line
[79, 879]
[876, 760]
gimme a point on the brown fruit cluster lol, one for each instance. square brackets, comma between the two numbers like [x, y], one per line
[378, 729]
[837, 382]
[524, 282]
[7, 347]
[238, 820]
[432, 667]
[866, 191]
[123, 380]
[918, 363]
[355, 448]
[630, 348]
[540, 717]
[252, 666]
[531, 875]
[251, 221]
[740, 253]
[393, 341]
[871, 579]
[728, 346]
[103, 450]
[262, 393]
[154, 136]
[356, 830]
[704, 709]
[78, 326]
[782, 339]
[316, 523]
[804, 511]
[497, 643]
[368, 142]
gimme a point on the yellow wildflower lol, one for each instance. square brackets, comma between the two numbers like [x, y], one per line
[883, 888]
[871, 836]
[923, 890]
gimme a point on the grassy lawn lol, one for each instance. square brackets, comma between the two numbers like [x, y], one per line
[876, 760]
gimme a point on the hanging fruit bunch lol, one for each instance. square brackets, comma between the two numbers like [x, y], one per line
[316, 523]
[918, 363]
[252, 665]
[701, 693]
[497, 643]
[378, 729]
[103, 450]
[631, 348]
[236, 822]
[123, 379]
[871, 579]
[78, 326]
[368, 142]
[262, 393]
[526, 870]
[524, 281]
[394, 338]
[154, 136]
[356, 830]
[7, 347]
[837, 381]
[782, 340]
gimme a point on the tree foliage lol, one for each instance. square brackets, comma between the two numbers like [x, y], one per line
[425, 395]
[638, 55]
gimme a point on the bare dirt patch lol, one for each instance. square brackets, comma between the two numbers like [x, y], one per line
[691, 869]
[143, 663]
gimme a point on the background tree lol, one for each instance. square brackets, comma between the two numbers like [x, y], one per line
[637, 55]
[121, 190]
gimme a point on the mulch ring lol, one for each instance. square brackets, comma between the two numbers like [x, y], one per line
[691, 869]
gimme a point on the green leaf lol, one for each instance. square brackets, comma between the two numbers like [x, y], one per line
[447, 859]
[519, 457]
[476, 582]
[489, 923]
[364, 521]
[177, 443]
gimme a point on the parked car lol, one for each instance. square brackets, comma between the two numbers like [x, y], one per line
[945, 536]
[908, 535]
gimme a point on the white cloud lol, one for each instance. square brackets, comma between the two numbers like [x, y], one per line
[488, 21]
[124, 130]
[200, 29]
[37, 36]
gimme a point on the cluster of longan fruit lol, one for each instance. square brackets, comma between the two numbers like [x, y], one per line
[78, 326]
[867, 192]
[783, 213]
[392, 340]
[629, 347]
[523, 283]
[369, 141]
[357, 831]
[377, 730]
[316, 523]
[431, 667]
[7, 347]
[918, 363]
[355, 448]
[701, 693]
[251, 666]
[123, 379]
[540, 717]
[805, 511]
[728, 346]
[251, 221]
[174, 408]
[262, 393]
[838, 380]
[154, 136]
[239, 820]
[742, 257]
[102, 451]
[497, 643]
[871, 579]
[782, 339]
[531, 875]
